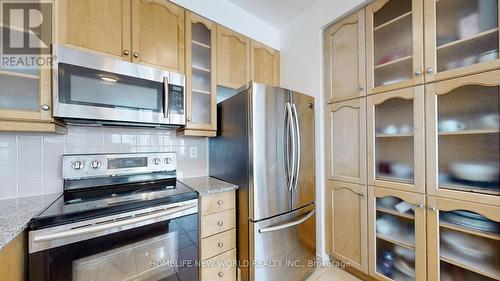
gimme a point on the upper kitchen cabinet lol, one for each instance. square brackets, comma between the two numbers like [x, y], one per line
[461, 37]
[396, 138]
[95, 25]
[394, 44]
[344, 58]
[158, 34]
[264, 64]
[463, 240]
[463, 139]
[201, 86]
[233, 58]
[346, 141]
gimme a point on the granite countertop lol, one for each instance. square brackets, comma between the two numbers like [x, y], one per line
[208, 185]
[15, 214]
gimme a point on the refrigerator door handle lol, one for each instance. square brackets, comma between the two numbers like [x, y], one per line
[287, 225]
[298, 148]
[294, 148]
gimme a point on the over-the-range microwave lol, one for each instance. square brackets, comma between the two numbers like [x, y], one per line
[94, 89]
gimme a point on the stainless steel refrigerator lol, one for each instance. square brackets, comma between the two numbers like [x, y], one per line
[265, 145]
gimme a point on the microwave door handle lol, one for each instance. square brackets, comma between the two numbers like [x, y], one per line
[165, 97]
[135, 221]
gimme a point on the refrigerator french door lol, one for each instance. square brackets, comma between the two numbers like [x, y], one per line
[265, 145]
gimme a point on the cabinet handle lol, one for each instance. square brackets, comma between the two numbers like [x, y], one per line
[362, 195]
[361, 87]
[221, 274]
[136, 54]
[418, 73]
[189, 119]
[420, 205]
[220, 202]
[432, 208]
[220, 223]
[126, 52]
[45, 107]
[220, 244]
[430, 70]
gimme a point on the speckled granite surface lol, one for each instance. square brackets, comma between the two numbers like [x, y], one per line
[208, 185]
[15, 214]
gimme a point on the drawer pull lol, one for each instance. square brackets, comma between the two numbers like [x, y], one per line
[220, 202]
[221, 274]
[220, 244]
[220, 223]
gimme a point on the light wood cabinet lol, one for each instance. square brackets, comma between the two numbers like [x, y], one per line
[233, 58]
[395, 54]
[14, 259]
[461, 38]
[346, 220]
[463, 141]
[158, 34]
[463, 240]
[201, 75]
[264, 64]
[346, 141]
[396, 234]
[344, 61]
[396, 139]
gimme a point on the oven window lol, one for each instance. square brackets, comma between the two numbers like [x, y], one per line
[166, 251]
[85, 86]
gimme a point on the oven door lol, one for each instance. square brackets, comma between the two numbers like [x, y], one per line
[164, 250]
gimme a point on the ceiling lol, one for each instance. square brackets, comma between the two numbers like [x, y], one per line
[275, 12]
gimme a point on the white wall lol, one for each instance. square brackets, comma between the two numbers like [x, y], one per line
[301, 69]
[232, 16]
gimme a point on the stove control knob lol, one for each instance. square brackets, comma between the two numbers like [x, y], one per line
[95, 164]
[77, 165]
[157, 161]
[168, 160]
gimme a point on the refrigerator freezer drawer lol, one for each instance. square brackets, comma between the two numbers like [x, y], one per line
[284, 247]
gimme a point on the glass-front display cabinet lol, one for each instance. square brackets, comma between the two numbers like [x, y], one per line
[463, 140]
[201, 90]
[396, 225]
[394, 50]
[461, 37]
[395, 136]
[463, 240]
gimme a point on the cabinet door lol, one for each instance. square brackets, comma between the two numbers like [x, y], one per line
[463, 240]
[344, 58]
[347, 223]
[396, 138]
[396, 235]
[233, 58]
[463, 139]
[461, 37]
[264, 64]
[201, 77]
[158, 34]
[346, 141]
[95, 25]
[394, 44]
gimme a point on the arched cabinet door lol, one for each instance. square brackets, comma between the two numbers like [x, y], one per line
[344, 58]
[463, 139]
[396, 235]
[461, 38]
[463, 240]
[233, 58]
[394, 34]
[396, 138]
[264, 64]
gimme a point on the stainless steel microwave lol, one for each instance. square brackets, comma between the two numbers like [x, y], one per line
[90, 88]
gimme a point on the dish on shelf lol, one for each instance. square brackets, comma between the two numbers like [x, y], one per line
[488, 56]
[451, 126]
[471, 221]
[490, 121]
[401, 171]
[475, 172]
[465, 245]
[404, 207]
[388, 202]
[403, 267]
[405, 253]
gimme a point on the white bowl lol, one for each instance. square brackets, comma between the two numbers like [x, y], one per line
[484, 172]
[401, 171]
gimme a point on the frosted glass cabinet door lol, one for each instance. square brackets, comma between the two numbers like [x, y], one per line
[394, 32]
[463, 140]
[461, 37]
[463, 240]
[396, 235]
[346, 141]
[344, 45]
[396, 139]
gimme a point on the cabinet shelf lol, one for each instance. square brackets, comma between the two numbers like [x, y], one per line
[200, 44]
[468, 39]
[469, 231]
[201, 68]
[18, 74]
[394, 136]
[471, 264]
[395, 20]
[396, 241]
[467, 188]
[396, 213]
[394, 179]
[201, 91]
[393, 62]
[470, 132]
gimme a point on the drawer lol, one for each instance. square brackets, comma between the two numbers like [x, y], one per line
[217, 223]
[217, 244]
[220, 268]
[217, 202]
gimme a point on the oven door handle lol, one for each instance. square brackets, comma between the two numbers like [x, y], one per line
[111, 225]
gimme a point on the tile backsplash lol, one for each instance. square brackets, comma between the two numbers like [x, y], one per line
[30, 163]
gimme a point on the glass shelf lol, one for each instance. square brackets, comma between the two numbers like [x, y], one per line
[451, 272]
